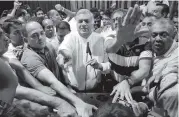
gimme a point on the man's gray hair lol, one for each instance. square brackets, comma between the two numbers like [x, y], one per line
[85, 11]
[165, 21]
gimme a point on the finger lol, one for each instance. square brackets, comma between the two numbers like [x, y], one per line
[122, 96]
[115, 97]
[127, 17]
[134, 14]
[119, 22]
[128, 98]
[113, 91]
[138, 16]
[95, 108]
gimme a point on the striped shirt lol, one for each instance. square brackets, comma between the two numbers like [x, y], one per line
[126, 60]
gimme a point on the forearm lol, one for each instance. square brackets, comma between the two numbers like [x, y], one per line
[12, 14]
[139, 75]
[69, 13]
[38, 97]
[29, 79]
[64, 92]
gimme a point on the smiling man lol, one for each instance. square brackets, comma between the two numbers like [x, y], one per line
[75, 51]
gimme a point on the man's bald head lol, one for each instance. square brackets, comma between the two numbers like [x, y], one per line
[32, 25]
[51, 13]
[46, 22]
[54, 16]
[35, 35]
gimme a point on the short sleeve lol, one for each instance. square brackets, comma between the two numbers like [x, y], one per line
[147, 54]
[68, 43]
[33, 64]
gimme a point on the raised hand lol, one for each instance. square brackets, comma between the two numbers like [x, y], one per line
[17, 4]
[59, 7]
[125, 31]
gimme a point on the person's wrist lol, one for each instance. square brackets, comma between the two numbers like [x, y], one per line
[129, 80]
[79, 103]
[100, 67]
[63, 9]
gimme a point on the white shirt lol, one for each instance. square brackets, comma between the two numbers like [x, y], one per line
[73, 24]
[76, 45]
[54, 42]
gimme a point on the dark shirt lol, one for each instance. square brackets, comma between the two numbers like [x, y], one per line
[35, 61]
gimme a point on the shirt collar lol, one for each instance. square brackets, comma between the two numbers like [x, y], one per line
[169, 52]
[38, 51]
[172, 48]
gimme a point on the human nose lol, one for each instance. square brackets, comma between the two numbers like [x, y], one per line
[84, 23]
[158, 38]
[7, 39]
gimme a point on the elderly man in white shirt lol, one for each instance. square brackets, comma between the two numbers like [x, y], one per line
[88, 62]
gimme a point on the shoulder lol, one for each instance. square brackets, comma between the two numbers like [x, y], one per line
[96, 35]
[29, 55]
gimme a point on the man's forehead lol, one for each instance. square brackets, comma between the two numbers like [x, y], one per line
[33, 26]
[118, 14]
[158, 27]
[148, 19]
[84, 17]
[47, 22]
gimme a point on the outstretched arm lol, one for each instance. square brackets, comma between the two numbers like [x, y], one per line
[28, 78]
[16, 6]
[82, 108]
[8, 82]
[123, 88]
[66, 11]
[45, 99]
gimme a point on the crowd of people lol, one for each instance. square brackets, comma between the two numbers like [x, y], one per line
[47, 58]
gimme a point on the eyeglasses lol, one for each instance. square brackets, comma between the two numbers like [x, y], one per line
[161, 34]
[85, 20]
